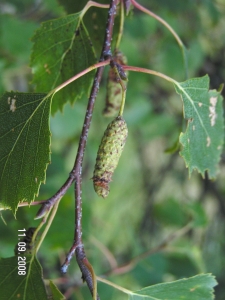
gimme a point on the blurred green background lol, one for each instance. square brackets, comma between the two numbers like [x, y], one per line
[152, 199]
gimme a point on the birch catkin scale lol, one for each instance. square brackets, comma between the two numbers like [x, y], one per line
[108, 156]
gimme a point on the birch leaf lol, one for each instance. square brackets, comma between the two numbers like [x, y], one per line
[15, 286]
[199, 287]
[202, 142]
[25, 146]
[62, 48]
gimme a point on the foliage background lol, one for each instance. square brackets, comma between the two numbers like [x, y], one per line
[151, 195]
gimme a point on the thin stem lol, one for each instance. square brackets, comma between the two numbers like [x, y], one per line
[123, 101]
[50, 220]
[120, 33]
[118, 287]
[152, 72]
[37, 230]
[32, 203]
[176, 36]
[133, 262]
[105, 251]
[90, 4]
[82, 73]
[3, 220]
[158, 18]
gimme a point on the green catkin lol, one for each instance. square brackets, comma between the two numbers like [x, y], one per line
[114, 89]
[108, 156]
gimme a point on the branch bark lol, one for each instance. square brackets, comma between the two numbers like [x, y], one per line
[76, 174]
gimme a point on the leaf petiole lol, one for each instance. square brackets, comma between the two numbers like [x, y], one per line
[90, 4]
[120, 33]
[148, 71]
[162, 21]
[82, 73]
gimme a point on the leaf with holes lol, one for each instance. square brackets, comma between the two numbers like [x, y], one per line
[203, 140]
[25, 142]
[62, 48]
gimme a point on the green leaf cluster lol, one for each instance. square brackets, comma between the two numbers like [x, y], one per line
[151, 197]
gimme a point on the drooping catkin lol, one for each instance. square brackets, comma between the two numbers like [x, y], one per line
[114, 89]
[108, 156]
